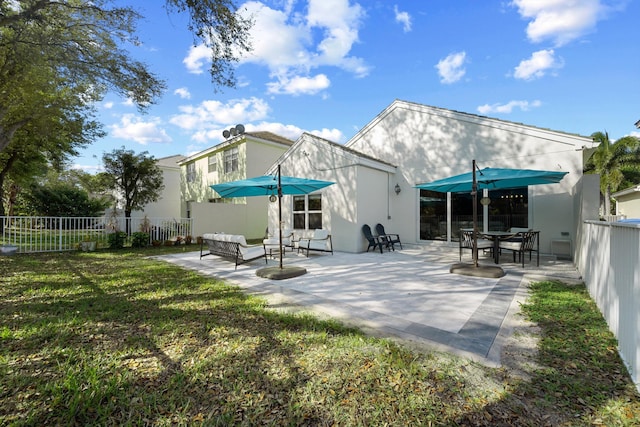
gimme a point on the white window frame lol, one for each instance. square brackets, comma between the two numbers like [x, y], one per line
[231, 160]
[191, 172]
[307, 212]
[213, 163]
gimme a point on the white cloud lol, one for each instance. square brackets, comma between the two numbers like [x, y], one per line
[183, 93]
[108, 105]
[451, 69]
[209, 119]
[88, 168]
[560, 21]
[508, 107]
[299, 85]
[286, 41]
[197, 58]
[403, 18]
[133, 128]
[213, 116]
[334, 135]
[537, 66]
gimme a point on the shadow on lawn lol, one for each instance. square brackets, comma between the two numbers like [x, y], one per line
[139, 348]
[91, 340]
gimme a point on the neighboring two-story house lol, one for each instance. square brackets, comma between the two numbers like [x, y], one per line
[242, 156]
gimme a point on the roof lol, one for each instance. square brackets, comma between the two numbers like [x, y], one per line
[459, 115]
[365, 159]
[265, 136]
[170, 161]
[269, 136]
[627, 191]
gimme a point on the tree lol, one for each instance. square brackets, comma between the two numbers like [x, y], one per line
[59, 57]
[64, 200]
[137, 179]
[610, 161]
[217, 24]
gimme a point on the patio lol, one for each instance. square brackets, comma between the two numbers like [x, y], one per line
[408, 295]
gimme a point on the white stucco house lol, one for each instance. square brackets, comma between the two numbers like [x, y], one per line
[377, 170]
[628, 202]
[242, 156]
[168, 204]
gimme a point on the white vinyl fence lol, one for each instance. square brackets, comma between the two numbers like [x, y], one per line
[609, 261]
[49, 234]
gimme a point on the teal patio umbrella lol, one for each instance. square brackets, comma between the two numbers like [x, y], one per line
[491, 179]
[271, 185]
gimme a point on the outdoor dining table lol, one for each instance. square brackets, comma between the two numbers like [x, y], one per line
[496, 236]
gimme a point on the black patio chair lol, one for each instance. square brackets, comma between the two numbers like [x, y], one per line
[529, 242]
[374, 242]
[466, 242]
[389, 239]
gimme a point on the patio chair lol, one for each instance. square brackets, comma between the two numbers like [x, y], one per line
[466, 242]
[530, 242]
[320, 241]
[374, 242]
[390, 239]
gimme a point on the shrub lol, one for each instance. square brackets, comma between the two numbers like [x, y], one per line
[139, 239]
[116, 239]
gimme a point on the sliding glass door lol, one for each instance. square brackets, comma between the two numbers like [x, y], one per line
[506, 209]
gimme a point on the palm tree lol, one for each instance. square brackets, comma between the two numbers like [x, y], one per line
[610, 161]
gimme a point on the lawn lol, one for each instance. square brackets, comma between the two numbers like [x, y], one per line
[118, 338]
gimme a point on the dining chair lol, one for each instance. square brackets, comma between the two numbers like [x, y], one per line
[466, 242]
[529, 242]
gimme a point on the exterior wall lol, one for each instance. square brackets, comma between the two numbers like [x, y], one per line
[609, 266]
[629, 205]
[375, 201]
[248, 219]
[358, 196]
[430, 143]
[587, 205]
[168, 205]
[199, 190]
[243, 215]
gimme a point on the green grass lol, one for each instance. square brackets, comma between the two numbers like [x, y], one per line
[117, 338]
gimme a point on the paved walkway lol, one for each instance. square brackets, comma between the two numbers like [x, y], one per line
[407, 294]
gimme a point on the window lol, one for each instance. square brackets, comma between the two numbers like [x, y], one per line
[231, 160]
[507, 208]
[307, 212]
[191, 172]
[213, 163]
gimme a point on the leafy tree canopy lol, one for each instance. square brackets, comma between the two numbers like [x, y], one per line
[63, 200]
[136, 178]
[617, 163]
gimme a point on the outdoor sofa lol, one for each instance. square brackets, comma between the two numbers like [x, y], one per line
[231, 246]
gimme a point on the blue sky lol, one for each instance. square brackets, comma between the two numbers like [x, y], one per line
[330, 66]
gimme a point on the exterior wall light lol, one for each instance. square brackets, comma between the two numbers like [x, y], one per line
[397, 189]
[273, 198]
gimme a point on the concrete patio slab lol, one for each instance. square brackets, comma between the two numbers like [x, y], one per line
[408, 295]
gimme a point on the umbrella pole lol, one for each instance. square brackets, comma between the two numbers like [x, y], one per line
[280, 215]
[474, 193]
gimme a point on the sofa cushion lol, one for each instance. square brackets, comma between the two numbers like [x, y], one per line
[320, 233]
